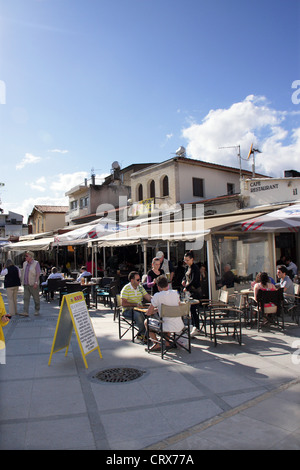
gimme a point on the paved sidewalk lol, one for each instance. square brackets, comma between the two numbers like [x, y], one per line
[224, 397]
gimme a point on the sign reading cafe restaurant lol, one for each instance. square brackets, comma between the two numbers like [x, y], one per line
[260, 191]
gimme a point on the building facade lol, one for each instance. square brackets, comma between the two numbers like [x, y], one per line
[47, 218]
[184, 180]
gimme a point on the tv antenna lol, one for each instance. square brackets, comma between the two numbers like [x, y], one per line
[252, 151]
[238, 147]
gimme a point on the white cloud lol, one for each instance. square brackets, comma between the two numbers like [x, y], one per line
[39, 184]
[58, 151]
[26, 206]
[243, 123]
[64, 182]
[28, 160]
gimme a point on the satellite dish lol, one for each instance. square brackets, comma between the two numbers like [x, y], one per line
[115, 166]
[181, 152]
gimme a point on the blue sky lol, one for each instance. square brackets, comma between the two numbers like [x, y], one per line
[85, 83]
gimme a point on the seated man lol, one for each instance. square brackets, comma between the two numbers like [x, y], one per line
[54, 275]
[84, 273]
[228, 277]
[132, 295]
[286, 283]
[166, 297]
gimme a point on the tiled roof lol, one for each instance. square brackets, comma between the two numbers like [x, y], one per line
[55, 209]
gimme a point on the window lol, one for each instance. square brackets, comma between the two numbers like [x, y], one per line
[165, 186]
[152, 189]
[73, 205]
[140, 192]
[198, 187]
[230, 188]
[83, 202]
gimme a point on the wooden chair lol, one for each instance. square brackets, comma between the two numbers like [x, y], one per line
[182, 339]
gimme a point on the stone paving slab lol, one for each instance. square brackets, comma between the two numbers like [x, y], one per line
[224, 397]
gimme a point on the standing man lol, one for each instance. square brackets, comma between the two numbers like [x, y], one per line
[166, 265]
[132, 295]
[291, 267]
[31, 280]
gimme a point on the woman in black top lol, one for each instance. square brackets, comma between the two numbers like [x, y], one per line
[11, 283]
[153, 274]
[191, 283]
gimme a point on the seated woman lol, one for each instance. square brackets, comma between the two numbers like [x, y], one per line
[263, 283]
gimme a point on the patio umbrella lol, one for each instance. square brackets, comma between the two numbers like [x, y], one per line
[282, 220]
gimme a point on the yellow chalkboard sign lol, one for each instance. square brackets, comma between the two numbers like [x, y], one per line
[2, 341]
[2, 307]
[74, 314]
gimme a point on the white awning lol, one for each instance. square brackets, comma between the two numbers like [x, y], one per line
[33, 245]
[179, 230]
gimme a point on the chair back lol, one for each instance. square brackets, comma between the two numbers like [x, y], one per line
[118, 300]
[114, 291]
[55, 284]
[270, 296]
[89, 277]
[106, 281]
[74, 287]
[223, 296]
[181, 310]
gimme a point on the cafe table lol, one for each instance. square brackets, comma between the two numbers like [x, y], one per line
[247, 294]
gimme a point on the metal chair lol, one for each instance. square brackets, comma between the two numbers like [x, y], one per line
[117, 301]
[104, 291]
[127, 324]
[76, 287]
[270, 297]
[209, 310]
[229, 319]
[182, 339]
[53, 286]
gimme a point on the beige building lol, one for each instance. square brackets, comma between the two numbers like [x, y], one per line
[89, 200]
[184, 180]
[47, 218]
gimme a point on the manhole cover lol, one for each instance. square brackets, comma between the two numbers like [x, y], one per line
[118, 374]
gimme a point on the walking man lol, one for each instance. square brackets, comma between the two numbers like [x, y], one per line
[31, 280]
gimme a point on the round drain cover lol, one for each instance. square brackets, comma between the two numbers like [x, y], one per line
[118, 374]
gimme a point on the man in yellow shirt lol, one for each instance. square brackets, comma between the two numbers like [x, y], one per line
[132, 295]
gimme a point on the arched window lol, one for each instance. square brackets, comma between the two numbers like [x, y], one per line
[152, 188]
[165, 186]
[140, 192]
